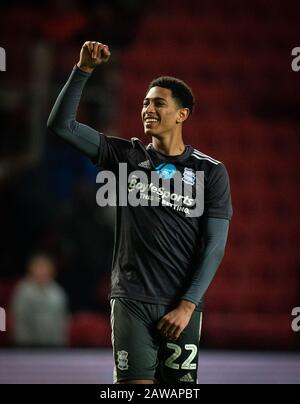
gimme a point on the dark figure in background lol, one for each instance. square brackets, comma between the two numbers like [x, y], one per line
[39, 306]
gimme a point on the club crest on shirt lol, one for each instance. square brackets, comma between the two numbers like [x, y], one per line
[189, 176]
[122, 360]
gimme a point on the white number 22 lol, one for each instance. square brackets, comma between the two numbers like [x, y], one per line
[187, 364]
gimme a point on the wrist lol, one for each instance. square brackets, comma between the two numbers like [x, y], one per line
[187, 306]
[84, 68]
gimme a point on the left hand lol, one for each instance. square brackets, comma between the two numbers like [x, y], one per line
[174, 322]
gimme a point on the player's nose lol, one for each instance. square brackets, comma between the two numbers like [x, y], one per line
[150, 108]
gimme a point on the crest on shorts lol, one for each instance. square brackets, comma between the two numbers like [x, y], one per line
[122, 360]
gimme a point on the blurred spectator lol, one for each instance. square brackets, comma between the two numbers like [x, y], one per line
[39, 306]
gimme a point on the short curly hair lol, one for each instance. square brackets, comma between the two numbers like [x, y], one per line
[181, 92]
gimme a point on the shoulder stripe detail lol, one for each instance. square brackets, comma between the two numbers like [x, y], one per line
[205, 158]
[205, 155]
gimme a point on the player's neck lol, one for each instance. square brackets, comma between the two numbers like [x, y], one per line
[170, 146]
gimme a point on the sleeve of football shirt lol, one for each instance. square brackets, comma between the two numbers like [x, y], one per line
[217, 214]
[215, 237]
[104, 151]
[62, 119]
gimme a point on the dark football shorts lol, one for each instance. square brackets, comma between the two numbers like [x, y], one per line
[142, 353]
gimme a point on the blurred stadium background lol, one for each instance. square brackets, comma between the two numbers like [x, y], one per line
[237, 58]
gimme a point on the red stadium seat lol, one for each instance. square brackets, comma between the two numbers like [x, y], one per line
[88, 329]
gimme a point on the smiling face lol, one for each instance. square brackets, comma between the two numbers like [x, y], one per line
[161, 114]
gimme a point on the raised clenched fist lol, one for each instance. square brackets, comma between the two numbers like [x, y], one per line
[93, 54]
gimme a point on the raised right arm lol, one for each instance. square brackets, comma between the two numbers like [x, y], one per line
[62, 119]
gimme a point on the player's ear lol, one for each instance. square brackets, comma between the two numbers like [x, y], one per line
[183, 114]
